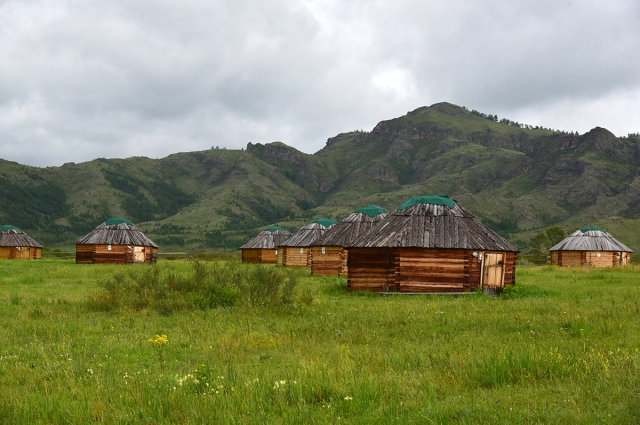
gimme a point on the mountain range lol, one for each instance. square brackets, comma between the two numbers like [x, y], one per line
[517, 180]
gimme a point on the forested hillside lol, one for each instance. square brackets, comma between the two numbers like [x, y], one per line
[520, 181]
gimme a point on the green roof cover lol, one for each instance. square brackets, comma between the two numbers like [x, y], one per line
[117, 220]
[586, 229]
[429, 199]
[326, 222]
[372, 210]
[275, 229]
[8, 227]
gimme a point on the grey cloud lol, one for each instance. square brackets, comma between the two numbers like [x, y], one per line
[79, 80]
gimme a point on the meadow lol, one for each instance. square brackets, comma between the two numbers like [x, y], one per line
[560, 347]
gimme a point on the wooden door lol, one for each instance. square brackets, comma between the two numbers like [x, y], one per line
[493, 270]
[138, 254]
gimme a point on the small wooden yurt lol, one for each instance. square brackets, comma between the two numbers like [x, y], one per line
[430, 244]
[590, 246]
[264, 247]
[328, 255]
[118, 241]
[17, 245]
[296, 251]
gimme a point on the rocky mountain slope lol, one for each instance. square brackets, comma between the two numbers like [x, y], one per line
[518, 180]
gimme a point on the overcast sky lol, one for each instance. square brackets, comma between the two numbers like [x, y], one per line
[87, 79]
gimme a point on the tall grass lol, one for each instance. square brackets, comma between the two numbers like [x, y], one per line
[561, 349]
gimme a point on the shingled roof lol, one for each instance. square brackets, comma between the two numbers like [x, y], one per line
[116, 231]
[12, 236]
[309, 233]
[432, 222]
[268, 239]
[590, 239]
[356, 223]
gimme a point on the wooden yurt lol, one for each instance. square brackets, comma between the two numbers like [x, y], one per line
[264, 247]
[328, 255]
[17, 245]
[296, 251]
[430, 244]
[590, 246]
[117, 241]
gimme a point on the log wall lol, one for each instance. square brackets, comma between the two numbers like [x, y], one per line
[329, 263]
[118, 254]
[589, 258]
[259, 256]
[24, 253]
[290, 256]
[419, 270]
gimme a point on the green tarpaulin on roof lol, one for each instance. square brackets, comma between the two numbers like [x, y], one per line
[117, 220]
[429, 199]
[597, 229]
[7, 227]
[326, 222]
[275, 229]
[372, 210]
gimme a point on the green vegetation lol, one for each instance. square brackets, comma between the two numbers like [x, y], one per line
[560, 347]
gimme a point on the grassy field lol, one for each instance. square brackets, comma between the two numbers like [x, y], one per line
[562, 347]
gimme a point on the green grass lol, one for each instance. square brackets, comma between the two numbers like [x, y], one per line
[560, 347]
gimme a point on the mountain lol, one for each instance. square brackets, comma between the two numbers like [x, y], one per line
[518, 180]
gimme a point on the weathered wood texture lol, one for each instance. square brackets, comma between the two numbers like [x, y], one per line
[116, 234]
[259, 256]
[114, 254]
[15, 244]
[294, 256]
[268, 240]
[592, 240]
[425, 270]
[306, 236]
[329, 262]
[590, 258]
[20, 253]
[432, 226]
[334, 261]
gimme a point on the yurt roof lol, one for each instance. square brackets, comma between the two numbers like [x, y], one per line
[269, 238]
[352, 226]
[590, 239]
[116, 231]
[309, 233]
[432, 222]
[12, 236]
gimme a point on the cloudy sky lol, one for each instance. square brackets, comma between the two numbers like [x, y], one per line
[118, 78]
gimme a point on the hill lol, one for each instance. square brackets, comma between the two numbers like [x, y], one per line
[518, 180]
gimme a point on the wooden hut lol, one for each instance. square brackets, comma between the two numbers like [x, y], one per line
[264, 247]
[118, 241]
[17, 245]
[590, 246]
[328, 255]
[296, 251]
[430, 244]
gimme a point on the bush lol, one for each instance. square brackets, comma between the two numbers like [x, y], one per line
[209, 285]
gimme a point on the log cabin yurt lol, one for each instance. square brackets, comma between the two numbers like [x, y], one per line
[296, 251]
[17, 245]
[590, 246]
[263, 248]
[431, 244]
[116, 241]
[328, 255]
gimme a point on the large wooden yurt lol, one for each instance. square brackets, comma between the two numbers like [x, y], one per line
[117, 241]
[590, 246]
[328, 255]
[296, 251]
[430, 244]
[17, 245]
[264, 247]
